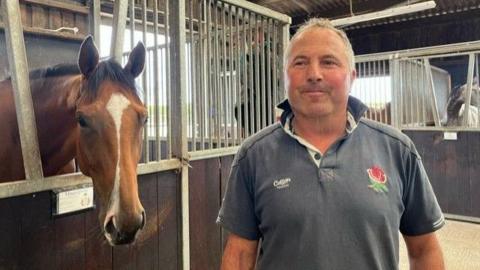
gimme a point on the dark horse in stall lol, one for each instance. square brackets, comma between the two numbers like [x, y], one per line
[456, 105]
[89, 112]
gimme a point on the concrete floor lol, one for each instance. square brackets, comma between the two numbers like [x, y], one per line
[460, 243]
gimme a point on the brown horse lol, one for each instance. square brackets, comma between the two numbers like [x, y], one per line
[89, 112]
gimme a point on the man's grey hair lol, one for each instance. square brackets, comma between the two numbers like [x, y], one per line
[326, 24]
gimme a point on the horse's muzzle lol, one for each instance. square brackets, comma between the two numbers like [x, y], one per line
[123, 236]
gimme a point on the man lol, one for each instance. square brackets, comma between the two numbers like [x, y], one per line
[325, 188]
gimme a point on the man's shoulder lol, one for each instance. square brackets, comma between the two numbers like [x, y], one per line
[266, 136]
[390, 133]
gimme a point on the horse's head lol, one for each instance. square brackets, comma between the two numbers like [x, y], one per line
[457, 98]
[111, 117]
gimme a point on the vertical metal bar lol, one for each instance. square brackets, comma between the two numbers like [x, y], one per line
[95, 21]
[246, 68]
[118, 29]
[224, 91]
[169, 88]
[262, 71]
[238, 72]
[424, 92]
[252, 86]
[270, 107]
[179, 113]
[156, 87]
[375, 88]
[146, 149]
[202, 15]
[417, 94]
[18, 65]
[216, 64]
[257, 111]
[276, 62]
[193, 79]
[394, 75]
[209, 89]
[284, 40]
[132, 23]
[431, 88]
[232, 77]
[468, 97]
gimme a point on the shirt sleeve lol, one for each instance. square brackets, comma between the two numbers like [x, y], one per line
[422, 213]
[237, 213]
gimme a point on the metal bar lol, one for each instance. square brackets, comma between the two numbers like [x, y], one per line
[118, 29]
[431, 88]
[245, 51]
[262, 71]
[464, 47]
[168, 72]
[260, 10]
[284, 40]
[468, 97]
[204, 77]
[394, 74]
[18, 188]
[270, 106]
[256, 108]
[179, 113]
[276, 64]
[18, 65]
[238, 77]
[132, 22]
[94, 14]
[193, 78]
[146, 144]
[224, 111]
[156, 86]
[251, 100]
[232, 77]
[211, 153]
[216, 76]
[210, 87]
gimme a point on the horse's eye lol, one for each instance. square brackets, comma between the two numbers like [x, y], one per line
[81, 121]
[145, 120]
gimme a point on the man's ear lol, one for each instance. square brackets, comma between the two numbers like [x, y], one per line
[88, 56]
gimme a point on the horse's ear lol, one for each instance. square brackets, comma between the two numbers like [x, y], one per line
[136, 60]
[88, 56]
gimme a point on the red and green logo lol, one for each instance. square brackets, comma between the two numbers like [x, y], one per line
[378, 179]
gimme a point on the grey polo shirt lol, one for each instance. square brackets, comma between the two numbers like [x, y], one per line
[344, 213]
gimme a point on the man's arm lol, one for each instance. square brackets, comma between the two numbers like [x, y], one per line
[239, 253]
[424, 252]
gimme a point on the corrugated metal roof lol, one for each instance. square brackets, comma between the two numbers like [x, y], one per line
[299, 10]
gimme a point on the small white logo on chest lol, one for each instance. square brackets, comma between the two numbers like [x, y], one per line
[282, 183]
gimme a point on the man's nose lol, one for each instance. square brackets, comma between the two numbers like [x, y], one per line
[314, 73]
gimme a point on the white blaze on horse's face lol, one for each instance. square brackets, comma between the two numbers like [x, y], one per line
[116, 106]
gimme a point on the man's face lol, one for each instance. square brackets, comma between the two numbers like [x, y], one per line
[318, 77]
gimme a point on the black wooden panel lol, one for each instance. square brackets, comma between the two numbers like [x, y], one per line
[226, 164]
[10, 234]
[205, 235]
[474, 171]
[70, 241]
[147, 243]
[453, 169]
[38, 235]
[98, 253]
[168, 226]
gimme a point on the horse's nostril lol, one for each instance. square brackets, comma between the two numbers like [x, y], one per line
[110, 227]
[144, 220]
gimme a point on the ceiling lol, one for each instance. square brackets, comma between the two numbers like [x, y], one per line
[300, 10]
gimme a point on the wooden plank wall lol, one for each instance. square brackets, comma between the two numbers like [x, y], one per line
[453, 168]
[32, 239]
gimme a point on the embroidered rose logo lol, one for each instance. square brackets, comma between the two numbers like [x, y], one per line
[378, 179]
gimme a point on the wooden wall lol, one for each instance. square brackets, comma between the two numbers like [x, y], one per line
[30, 238]
[453, 168]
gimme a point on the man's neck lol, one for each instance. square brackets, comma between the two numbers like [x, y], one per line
[320, 132]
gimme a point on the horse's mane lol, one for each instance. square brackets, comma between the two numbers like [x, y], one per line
[52, 71]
